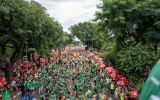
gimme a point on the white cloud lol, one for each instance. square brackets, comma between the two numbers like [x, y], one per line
[70, 12]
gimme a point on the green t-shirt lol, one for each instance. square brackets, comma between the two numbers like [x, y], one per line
[151, 88]
[89, 93]
[72, 98]
[30, 85]
[122, 96]
[6, 94]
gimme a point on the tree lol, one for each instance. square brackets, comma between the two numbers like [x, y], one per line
[133, 26]
[130, 20]
[87, 32]
[134, 61]
[25, 25]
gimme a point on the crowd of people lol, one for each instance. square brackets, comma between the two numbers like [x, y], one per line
[76, 78]
[72, 74]
[29, 75]
[82, 75]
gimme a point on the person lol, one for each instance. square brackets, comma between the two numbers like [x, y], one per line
[22, 87]
[88, 93]
[6, 93]
[53, 96]
[47, 92]
[151, 89]
[122, 94]
[112, 86]
[117, 92]
[42, 96]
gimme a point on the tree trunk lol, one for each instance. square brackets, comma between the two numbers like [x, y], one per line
[9, 62]
[155, 47]
[18, 53]
[7, 70]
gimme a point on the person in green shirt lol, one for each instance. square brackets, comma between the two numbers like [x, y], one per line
[6, 94]
[72, 98]
[122, 94]
[151, 89]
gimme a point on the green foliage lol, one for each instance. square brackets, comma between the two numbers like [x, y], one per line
[135, 60]
[87, 32]
[139, 85]
[131, 29]
[31, 50]
[131, 22]
[66, 40]
[26, 24]
[46, 53]
[110, 56]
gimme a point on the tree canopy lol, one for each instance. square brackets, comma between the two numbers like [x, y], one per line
[88, 33]
[132, 28]
[131, 22]
[25, 25]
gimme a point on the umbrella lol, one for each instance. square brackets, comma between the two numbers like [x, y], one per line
[114, 71]
[96, 57]
[134, 94]
[115, 76]
[100, 59]
[109, 69]
[31, 64]
[102, 66]
[125, 80]
[101, 62]
[121, 83]
[2, 81]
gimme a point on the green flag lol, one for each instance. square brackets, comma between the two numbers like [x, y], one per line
[151, 90]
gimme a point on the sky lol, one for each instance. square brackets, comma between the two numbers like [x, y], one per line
[70, 12]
